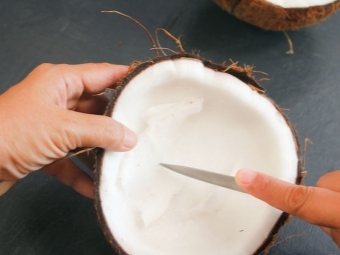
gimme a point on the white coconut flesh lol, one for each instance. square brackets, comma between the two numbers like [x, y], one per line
[299, 3]
[187, 114]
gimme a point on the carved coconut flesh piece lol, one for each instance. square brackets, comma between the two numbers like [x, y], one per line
[191, 112]
[280, 15]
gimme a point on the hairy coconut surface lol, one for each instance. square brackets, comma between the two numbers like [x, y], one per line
[280, 15]
[192, 112]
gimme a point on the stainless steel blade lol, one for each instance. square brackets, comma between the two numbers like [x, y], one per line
[222, 180]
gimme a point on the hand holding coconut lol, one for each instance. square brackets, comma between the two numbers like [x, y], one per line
[45, 116]
[307, 203]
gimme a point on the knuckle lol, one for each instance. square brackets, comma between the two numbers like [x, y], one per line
[296, 198]
[46, 70]
[61, 69]
[43, 67]
[103, 64]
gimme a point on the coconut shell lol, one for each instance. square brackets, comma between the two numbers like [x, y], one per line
[268, 16]
[243, 74]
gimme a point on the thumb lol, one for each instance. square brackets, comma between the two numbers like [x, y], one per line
[98, 131]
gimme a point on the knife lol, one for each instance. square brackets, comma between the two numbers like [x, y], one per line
[222, 180]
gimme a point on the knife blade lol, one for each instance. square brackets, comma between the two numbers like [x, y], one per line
[218, 179]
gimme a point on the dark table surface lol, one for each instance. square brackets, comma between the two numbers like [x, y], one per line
[41, 216]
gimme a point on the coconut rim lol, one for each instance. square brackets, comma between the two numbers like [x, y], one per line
[243, 74]
[286, 18]
[289, 7]
[301, 6]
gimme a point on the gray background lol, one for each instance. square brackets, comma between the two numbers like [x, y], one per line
[41, 216]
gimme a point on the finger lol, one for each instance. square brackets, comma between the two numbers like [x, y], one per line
[5, 186]
[86, 130]
[327, 230]
[335, 234]
[73, 80]
[68, 173]
[315, 205]
[90, 77]
[330, 181]
[93, 104]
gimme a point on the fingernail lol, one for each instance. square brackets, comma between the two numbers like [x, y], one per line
[130, 139]
[245, 176]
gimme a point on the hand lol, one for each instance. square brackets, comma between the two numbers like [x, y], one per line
[46, 115]
[318, 205]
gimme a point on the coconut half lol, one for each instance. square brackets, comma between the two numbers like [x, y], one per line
[280, 15]
[192, 112]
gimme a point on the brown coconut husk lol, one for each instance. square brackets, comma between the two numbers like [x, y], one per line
[268, 16]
